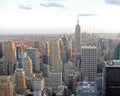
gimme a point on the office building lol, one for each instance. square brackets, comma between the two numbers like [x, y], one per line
[39, 84]
[56, 62]
[1, 49]
[117, 52]
[33, 53]
[54, 80]
[69, 68]
[20, 79]
[89, 63]
[6, 87]
[10, 56]
[36, 44]
[111, 78]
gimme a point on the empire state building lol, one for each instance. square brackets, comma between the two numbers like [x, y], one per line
[77, 38]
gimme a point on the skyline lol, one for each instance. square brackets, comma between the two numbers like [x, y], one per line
[59, 16]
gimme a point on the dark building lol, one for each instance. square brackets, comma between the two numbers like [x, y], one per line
[1, 50]
[111, 78]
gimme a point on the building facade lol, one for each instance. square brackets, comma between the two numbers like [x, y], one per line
[89, 63]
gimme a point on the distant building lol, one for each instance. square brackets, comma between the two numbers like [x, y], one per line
[36, 44]
[21, 57]
[111, 78]
[33, 53]
[89, 63]
[1, 49]
[117, 52]
[20, 80]
[86, 89]
[78, 42]
[54, 80]
[10, 56]
[6, 86]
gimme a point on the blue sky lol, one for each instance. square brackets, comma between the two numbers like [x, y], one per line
[59, 16]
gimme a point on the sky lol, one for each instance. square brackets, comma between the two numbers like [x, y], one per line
[59, 16]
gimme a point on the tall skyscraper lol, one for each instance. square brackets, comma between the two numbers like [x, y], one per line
[33, 53]
[89, 63]
[55, 57]
[77, 38]
[10, 56]
[27, 66]
[20, 80]
[6, 88]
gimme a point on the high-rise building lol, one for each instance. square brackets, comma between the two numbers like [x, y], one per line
[89, 63]
[56, 62]
[37, 44]
[77, 38]
[55, 80]
[111, 78]
[1, 49]
[21, 57]
[27, 66]
[20, 80]
[47, 48]
[6, 86]
[33, 53]
[10, 56]
[69, 51]
[117, 52]
[69, 68]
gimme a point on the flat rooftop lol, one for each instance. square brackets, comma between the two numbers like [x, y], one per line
[112, 63]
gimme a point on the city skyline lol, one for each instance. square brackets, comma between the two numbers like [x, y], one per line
[59, 16]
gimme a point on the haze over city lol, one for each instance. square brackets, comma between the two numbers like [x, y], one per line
[59, 16]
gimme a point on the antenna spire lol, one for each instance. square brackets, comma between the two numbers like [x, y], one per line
[77, 19]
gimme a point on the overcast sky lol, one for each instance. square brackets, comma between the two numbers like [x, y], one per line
[59, 16]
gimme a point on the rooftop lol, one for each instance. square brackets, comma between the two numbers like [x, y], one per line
[89, 47]
[112, 63]
[88, 87]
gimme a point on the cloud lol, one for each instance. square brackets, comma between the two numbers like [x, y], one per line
[25, 7]
[88, 14]
[49, 5]
[115, 2]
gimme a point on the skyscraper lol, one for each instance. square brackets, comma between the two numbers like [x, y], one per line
[10, 56]
[55, 57]
[77, 38]
[6, 86]
[33, 53]
[1, 49]
[20, 80]
[89, 63]
[111, 78]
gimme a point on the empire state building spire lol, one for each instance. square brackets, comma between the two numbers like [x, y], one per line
[77, 19]
[77, 37]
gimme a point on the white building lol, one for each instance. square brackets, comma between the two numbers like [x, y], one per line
[89, 63]
[39, 84]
